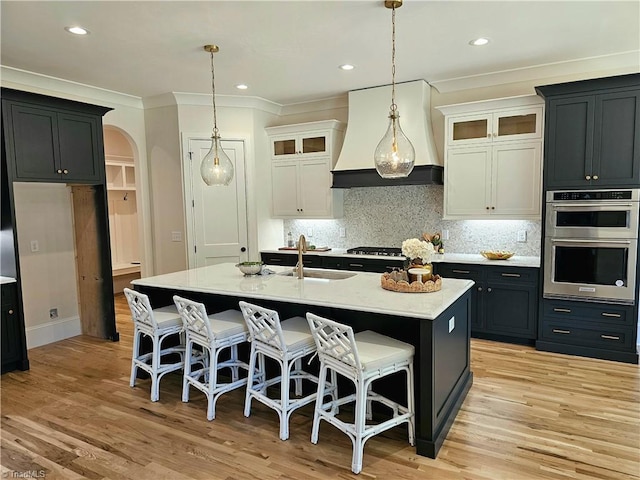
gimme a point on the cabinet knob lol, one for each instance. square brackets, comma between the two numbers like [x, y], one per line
[59, 170]
[243, 249]
[479, 289]
[487, 208]
[588, 177]
[493, 208]
[489, 289]
[10, 312]
[595, 177]
[65, 171]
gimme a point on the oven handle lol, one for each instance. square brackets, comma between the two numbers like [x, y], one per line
[595, 240]
[590, 205]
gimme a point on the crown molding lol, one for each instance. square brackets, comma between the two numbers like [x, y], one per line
[37, 83]
[604, 65]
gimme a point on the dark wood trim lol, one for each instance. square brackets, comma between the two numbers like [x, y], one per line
[421, 175]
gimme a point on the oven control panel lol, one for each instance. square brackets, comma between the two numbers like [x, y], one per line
[590, 195]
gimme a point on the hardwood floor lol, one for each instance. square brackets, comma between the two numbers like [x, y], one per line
[529, 415]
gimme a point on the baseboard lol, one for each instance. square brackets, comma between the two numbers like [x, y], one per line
[53, 331]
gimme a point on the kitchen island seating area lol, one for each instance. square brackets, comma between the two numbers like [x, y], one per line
[159, 325]
[362, 358]
[212, 335]
[287, 343]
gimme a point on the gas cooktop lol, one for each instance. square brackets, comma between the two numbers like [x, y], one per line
[384, 251]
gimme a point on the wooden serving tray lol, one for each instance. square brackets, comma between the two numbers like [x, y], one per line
[317, 249]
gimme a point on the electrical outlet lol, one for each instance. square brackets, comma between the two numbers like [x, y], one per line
[445, 234]
[53, 313]
[452, 324]
[35, 246]
[343, 232]
[176, 236]
[522, 235]
[310, 232]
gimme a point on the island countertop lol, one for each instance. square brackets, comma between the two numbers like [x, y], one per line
[361, 292]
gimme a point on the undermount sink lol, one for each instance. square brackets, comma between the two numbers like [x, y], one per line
[318, 273]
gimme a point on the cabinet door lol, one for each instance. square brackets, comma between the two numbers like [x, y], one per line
[315, 188]
[569, 142]
[469, 129]
[516, 180]
[616, 158]
[314, 143]
[284, 181]
[35, 160]
[468, 182]
[517, 124]
[511, 310]
[78, 138]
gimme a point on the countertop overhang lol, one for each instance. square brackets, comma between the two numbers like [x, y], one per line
[362, 292]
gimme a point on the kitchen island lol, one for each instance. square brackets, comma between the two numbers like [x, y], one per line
[437, 324]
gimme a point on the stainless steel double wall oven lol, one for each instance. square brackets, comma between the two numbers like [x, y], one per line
[591, 245]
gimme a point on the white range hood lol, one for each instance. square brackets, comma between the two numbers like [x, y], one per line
[368, 122]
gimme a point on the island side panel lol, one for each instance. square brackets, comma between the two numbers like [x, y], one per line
[445, 376]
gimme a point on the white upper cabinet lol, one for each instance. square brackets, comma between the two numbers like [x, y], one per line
[493, 159]
[302, 157]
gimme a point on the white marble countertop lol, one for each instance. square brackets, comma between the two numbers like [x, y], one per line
[515, 261]
[361, 292]
[4, 280]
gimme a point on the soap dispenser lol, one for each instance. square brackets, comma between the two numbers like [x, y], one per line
[290, 240]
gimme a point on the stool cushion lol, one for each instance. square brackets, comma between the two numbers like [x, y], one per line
[296, 333]
[167, 317]
[227, 323]
[377, 350]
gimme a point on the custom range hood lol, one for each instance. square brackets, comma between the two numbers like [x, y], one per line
[368, 112]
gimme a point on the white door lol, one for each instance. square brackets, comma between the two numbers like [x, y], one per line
[216, 215]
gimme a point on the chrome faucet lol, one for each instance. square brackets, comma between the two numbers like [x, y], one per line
[302, 248]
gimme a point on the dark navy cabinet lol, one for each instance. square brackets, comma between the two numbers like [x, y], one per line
[14, 350]
[592, 133]
[334, 262]
[504, 299]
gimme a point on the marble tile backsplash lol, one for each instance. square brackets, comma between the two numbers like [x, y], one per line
[385, 216]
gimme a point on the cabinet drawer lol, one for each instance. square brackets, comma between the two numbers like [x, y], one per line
[455, 270]
[370, 265]
[9, 294]
[588, 312]
[598, 336]
[288, 260]
[512, 274]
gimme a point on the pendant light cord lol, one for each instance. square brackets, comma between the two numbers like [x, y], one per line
[393, 60]
[213, 90]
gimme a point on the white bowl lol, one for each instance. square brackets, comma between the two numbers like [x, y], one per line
[250, 268]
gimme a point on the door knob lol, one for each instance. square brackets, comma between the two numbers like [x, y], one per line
[243, 249]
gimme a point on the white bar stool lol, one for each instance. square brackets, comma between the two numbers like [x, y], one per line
[287, 343]
[157, 324]
[362, 358]
[213, 333]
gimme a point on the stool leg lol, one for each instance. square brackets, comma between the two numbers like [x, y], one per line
[252, 367]
[298, 381]
[284, 399]
[134, 356]
[213, 382]
[188, 358]
[369, 414]
[316, 411]
[234, 359]
[155, 362]
[335, 409]
[360, 424]
[411, 405]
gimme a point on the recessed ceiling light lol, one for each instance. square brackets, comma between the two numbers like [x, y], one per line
[76, 30]
[242, 86]
[346, 66]
[478, 42]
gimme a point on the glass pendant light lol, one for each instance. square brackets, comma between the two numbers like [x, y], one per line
[216, 167]
[394, 156]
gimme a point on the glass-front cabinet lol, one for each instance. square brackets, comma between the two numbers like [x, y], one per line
[501, 125]
[313, 143]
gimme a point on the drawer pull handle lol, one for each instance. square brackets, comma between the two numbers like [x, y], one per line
[612, 315]
[610, 337]
[356, 265]
[275, 260]
[565, 332]
[516, 275]
[461, 271]
[562, 310]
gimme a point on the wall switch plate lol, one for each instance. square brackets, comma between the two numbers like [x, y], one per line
[343, 232]
[35, 246]
[310, 232]
[445, 234]
[176, 236]
[53, 313]
[452, 324]
[522, 235]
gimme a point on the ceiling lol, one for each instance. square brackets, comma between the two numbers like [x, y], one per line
[289, 52]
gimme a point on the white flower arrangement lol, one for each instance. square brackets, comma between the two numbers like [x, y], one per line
[414, 248]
